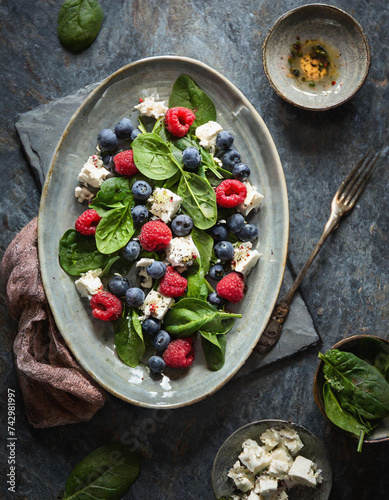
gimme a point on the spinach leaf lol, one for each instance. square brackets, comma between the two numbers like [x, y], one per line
[129, 341]
[214, 347]
[115, 229]
[78, 254]
[107, 472]
[204, 244]
[198, 199]
[78, 23]
[197, 286]
[112, 194]
[192, 314]
[153, 157]
[187, 94]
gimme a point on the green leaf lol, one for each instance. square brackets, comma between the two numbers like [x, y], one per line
[186, 93]
[197, 286]
[204, 244]
[115, 229]
[214, 347]
[129, 341]
[153, 157]
[113, 194]
[79, 23]
[198, 200]
[78, 254]
[106, 473]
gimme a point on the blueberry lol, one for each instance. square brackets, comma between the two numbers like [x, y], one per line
[157, 364]
[235, 223]
[224, 250]
[215, 300]
[220, 232]
[151, 326]
[131, 250]
[241, 172]
[140, 214]
[141, 190]
[135, 297]
[118, 286]
[224, 140]
[161, 341]
[182, 225]
[124, 129]
[108, 162]
[156, 270]
[249, 232]
[216, 272]
[135, 133]
[230, 158]
[107, 140]
[191, 158]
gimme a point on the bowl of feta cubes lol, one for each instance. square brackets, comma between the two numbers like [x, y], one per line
[272, 460]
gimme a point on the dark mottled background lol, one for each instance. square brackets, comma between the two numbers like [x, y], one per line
[346, 290]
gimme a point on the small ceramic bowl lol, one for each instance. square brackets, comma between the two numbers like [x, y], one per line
[232, 447]
[316, 86]
[357, 345]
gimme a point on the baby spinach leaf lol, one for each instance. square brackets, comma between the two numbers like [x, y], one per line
[197, 286]
[214, 347]
[186, 93]
[129, 341]
[204, 244]
[107, 472]
[198, 199]
[115, 229]
[113, 193]
[78, 23]
[78, 254]
[153, 157]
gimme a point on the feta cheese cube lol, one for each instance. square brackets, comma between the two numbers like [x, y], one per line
[156, 305]
[271, 438]
[282, 454]
[147, 280]
[266, 485]
[254, 496]
[242, 477]
[252, 201]
[82, 193]
[279, 469]
[89, 283]
[291, 440]
[151, 107]
[254, 457]
[303, 471]
[181, 252]
[207, 134]
[93, 173]
[163, 203]
[244, 258]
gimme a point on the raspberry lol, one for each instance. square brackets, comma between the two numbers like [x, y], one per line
[172, 284]
[231, 287]
[178, 120]
[179, 353]
[124, 163]
[106, 306]
[155, 235]
[230, 193]
[87, 222]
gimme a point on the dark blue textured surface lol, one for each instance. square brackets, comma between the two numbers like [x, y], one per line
[346, 289]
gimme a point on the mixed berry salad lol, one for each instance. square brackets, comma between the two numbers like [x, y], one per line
[165, 244]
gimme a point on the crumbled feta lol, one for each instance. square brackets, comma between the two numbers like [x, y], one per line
[270, 438]
[207, 134]
[181, 252]
[93, 173]
[282, 454]
[147, 280]
[291, 440]
[242, 477]
[82, 193]
[254, 496]
[278, 469]
[89, 283]
[156, 305]
[244, 258]
[151, 107]
[252, 201]
[266, 485]
[303, 471]
[254, 457]
[217, 161]
[163, 203]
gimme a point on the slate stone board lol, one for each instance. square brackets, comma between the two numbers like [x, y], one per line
[41, 129]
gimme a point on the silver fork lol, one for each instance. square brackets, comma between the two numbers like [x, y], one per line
[343, 201]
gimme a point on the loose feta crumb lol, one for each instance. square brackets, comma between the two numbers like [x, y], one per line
[254, 457]
[89, 283]
[271, 438]
[151, 107]
[252, 201]
[156, 305]
[242, 477]
[93, 173]
[163, 203]
[244, 258]
[266, 485]
[291, 440]
[207, 134]
[303, 471]
[82, 193]
[181, 252]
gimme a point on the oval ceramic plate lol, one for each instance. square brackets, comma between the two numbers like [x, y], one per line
[91, 340]
[232, 447]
